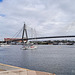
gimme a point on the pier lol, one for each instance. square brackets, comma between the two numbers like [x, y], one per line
[12, 70]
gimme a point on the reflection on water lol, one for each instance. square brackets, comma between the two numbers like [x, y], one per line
[59, 59]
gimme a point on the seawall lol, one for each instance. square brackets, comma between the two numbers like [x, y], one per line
[13, 70]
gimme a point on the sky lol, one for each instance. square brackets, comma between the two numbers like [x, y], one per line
[47, 17]
[0, 0]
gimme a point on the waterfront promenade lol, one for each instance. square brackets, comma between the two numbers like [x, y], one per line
[12, 70]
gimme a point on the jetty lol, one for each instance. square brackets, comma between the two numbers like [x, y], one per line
[12, 70]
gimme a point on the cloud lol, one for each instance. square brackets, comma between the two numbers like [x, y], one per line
[48, 17]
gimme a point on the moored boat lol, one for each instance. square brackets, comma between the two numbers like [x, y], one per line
[3, 45]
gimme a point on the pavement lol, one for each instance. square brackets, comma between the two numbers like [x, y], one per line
[12, 70]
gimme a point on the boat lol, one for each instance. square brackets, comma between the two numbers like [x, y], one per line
[70, 43]
[4, 45]
[26, 44]
[29, 47]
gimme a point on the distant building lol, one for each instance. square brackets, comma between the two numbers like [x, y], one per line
[10, 39]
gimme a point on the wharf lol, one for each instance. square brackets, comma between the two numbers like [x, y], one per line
[12, 70]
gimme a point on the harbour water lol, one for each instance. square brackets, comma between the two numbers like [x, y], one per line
[59, 59]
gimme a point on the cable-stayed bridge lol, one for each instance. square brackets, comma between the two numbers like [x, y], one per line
[45, 37]
[24, 32]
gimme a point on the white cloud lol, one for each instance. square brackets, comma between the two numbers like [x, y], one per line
[48, 17]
